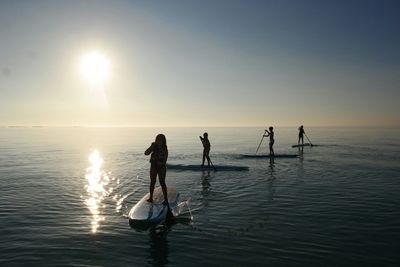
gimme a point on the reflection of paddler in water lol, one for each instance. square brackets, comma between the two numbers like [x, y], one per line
[206, 150]
[204, 180]
[158, 160]
[270, 133]
[271, 162]
[205, 188]
[301, 154]
[159, 248]
[301, 135]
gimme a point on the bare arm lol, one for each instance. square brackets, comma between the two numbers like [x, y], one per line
[149, 150]
[166, 157]
[202, 140]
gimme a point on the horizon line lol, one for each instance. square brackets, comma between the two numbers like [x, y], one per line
[188, 126]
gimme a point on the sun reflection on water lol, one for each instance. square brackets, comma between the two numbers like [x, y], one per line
[97, 181]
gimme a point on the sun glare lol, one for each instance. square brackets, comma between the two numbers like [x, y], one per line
[95, 68]
[96, 188]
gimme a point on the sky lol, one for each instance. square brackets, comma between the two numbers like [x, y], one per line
[201, 63]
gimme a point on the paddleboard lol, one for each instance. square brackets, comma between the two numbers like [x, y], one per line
[184, 167]
[145, 214]
[305, 144]
[269, 156]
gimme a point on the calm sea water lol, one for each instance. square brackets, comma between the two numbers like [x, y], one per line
[65, 194]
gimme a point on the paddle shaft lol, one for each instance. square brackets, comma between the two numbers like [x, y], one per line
[212, 164]
[261, 141]
[170, 218]
[308, 139]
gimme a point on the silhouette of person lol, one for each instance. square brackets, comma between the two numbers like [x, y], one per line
[271, 140]
[206, 150]
[158, 161]
[301, 135]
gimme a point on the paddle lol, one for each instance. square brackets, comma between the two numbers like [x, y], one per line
[170, 218]
[308, 139]
[261, 141]
[213, 165]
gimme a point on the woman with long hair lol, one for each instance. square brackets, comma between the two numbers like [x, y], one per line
[158, 160]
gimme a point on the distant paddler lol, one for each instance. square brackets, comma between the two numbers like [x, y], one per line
[206, 149]
[270, 133]
[301, 135]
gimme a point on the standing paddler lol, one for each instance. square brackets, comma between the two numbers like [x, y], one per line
[301, 135]
[206, 149]
[270, 133]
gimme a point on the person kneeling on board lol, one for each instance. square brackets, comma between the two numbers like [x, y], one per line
[206, 150]
[158, 161]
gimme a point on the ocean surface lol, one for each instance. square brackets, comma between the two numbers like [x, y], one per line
[65, 194]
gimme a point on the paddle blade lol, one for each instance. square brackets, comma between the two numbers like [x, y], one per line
[170, 219]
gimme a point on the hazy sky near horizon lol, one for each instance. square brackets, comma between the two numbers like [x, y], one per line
[202, 63]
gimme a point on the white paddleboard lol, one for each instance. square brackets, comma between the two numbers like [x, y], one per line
[150, 213]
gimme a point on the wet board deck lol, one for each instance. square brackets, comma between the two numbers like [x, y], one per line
[269, 156]
[152, 213]
[184, 167]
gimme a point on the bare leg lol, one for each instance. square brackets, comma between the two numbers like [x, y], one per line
[207, 156]
[161, 177]
[153, 177]
[271, 149]
[204, 157]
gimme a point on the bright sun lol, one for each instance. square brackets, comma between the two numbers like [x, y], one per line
[95, 68]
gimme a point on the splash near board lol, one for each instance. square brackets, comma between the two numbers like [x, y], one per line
[145, 214]
[184, 167]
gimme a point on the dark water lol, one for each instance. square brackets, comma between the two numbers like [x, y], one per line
[335, 205]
